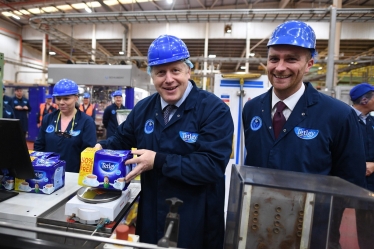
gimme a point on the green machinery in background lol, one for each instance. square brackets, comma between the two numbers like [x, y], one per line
[2, 83]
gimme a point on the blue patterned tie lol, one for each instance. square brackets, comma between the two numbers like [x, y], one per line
[167, 110]
[279, 120]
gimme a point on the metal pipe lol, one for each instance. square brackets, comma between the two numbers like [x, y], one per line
[18, 72]
[77, 236]
[206, 44]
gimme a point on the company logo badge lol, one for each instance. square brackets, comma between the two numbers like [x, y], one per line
[75, 133]
[188, 137]
[25, 101]
[113, 111]
[149, 126]
[39, 174]
[108, 166]
[50, 129]
[305, 133]
[256, 123]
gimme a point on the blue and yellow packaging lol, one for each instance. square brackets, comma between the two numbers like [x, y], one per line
[107, 170]
[49, 176]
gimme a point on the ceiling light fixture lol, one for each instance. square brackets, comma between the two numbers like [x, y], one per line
[228, 29]
[16, 17]
[169, 1]
[121, 52]
[52, 53]
[86, 8]
[212, 56]
[242, 67]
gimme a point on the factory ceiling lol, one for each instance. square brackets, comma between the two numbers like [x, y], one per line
[230, 53]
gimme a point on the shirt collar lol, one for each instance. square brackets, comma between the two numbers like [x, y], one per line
[360, 115]
[291, 101]
[185, 94]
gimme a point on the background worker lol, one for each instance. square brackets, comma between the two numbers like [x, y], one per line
[184, 136]
[87, 107]
[7, 109]
[6, 99]
[110, 114]
[362, 97]
[45, 108]
[66, 131]
[294, 127]
[21, 109]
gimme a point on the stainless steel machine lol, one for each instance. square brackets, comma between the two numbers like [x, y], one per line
[271, 208]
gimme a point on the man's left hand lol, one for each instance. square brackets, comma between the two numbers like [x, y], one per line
[144, 161]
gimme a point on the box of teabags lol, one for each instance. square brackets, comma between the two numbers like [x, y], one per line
[104, 168]
[49, 174]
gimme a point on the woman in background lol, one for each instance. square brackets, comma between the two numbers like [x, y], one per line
[66, 131]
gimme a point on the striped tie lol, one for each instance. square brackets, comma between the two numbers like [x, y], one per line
[167, 110]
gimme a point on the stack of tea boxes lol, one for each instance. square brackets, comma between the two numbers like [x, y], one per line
[49, 175]
[99, 168]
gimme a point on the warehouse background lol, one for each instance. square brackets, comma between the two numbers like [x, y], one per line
[120, 32]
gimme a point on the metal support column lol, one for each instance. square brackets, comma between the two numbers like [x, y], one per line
[331, 49]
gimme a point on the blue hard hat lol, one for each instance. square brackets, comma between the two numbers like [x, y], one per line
[86, 95]
[294, 33]
[65, 87]
[48, 96]
[117, 93]
[166, 49]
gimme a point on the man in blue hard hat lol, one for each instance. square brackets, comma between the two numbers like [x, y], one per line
[22, 108]
[110, 114]
[66, 131]
[362, 97]
[87, 107]
[294, 127]
[183, 137]
[45, 108]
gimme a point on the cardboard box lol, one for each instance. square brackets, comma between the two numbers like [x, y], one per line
[49, 177]
[104, 168]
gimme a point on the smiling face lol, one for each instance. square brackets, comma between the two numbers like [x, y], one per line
[286, 66]
[118, 100]
[66, 104]
[171, 80]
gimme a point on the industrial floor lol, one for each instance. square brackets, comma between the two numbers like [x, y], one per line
[348, 236]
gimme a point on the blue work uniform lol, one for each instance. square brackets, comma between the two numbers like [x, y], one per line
[110, 119]
[192, 152]
[365, 217]
[321, 136]
[83, 135]
[8, 100]
[22, 115]
[314, 139]
[367, 130]
[8, 111]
